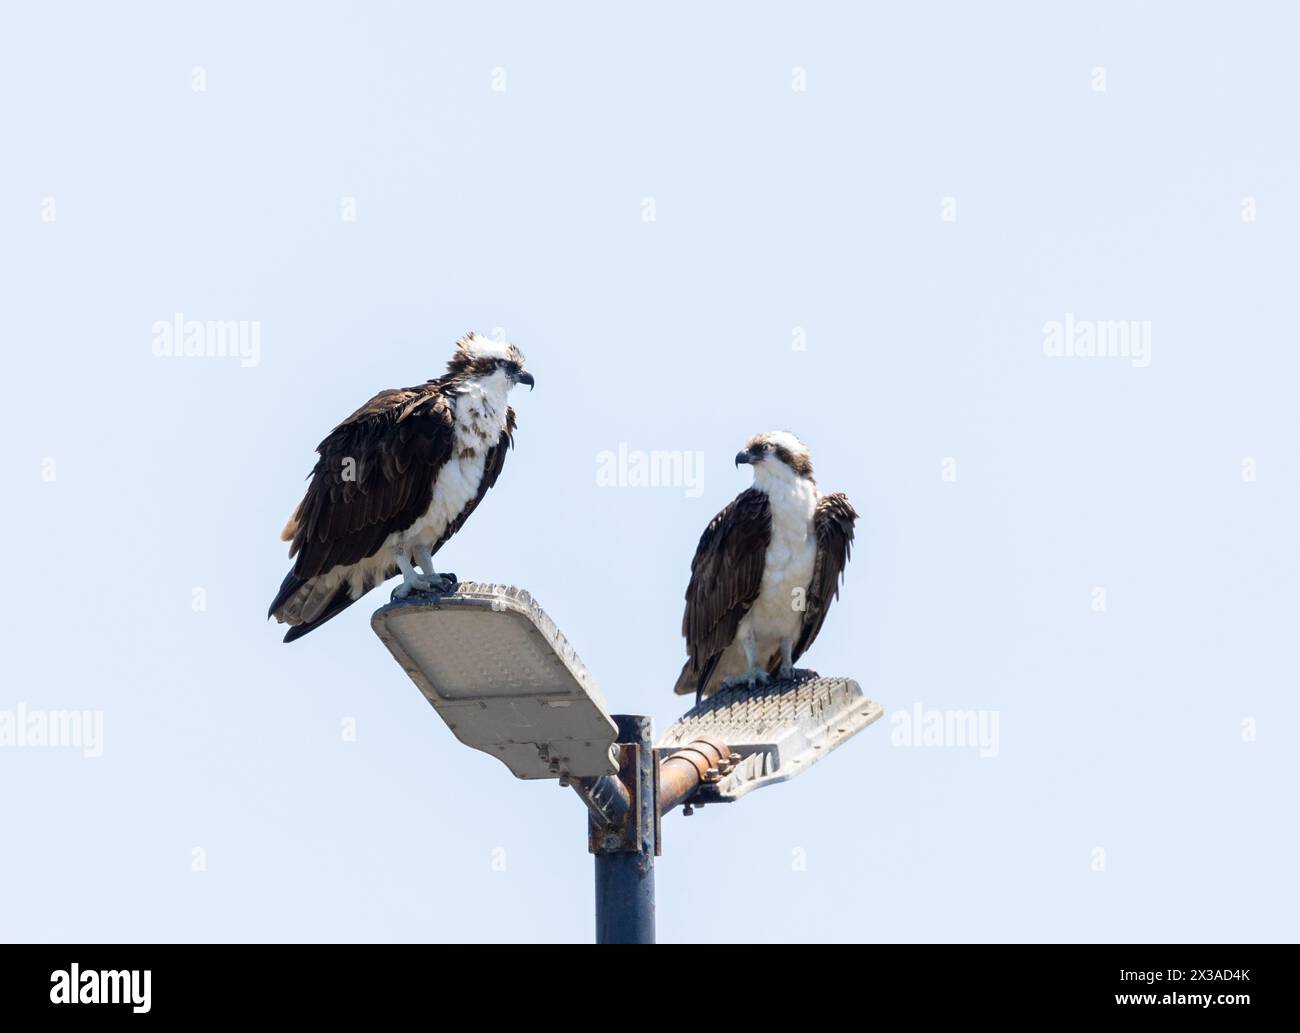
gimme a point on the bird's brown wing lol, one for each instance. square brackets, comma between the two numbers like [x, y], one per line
[833, 524]
[726, 575]
[374, 477]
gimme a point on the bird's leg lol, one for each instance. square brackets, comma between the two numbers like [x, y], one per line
[441, 582]
[750, 647]
[424, 559]
[754, 674]
[411, 581]
[787, 658]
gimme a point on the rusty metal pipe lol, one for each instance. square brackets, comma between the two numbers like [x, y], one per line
[606, 797]
[701, 760]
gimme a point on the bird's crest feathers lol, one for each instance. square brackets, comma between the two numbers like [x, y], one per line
[477, 353]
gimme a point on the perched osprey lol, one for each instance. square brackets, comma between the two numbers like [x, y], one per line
[395, 480]
[765, 572]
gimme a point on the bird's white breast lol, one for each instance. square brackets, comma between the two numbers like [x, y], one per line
[480, 418]
[777, 613]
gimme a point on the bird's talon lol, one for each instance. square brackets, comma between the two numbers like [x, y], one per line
[414, 584]
[750, 679]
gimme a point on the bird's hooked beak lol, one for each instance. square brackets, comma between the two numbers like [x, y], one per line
[744, 456]
[524, 377]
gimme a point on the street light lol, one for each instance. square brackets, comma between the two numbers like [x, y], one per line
[504, 678]
[506, 681]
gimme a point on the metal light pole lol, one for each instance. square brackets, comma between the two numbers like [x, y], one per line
[625, 860]
[506, 681]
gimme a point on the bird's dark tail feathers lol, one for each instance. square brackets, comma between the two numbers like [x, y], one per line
[288, 586]
[696, 681]
[338, 602]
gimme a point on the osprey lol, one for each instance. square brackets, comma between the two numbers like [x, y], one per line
[765, 572]
[395, 480]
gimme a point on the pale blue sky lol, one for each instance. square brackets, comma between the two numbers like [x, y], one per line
[1127, 730]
